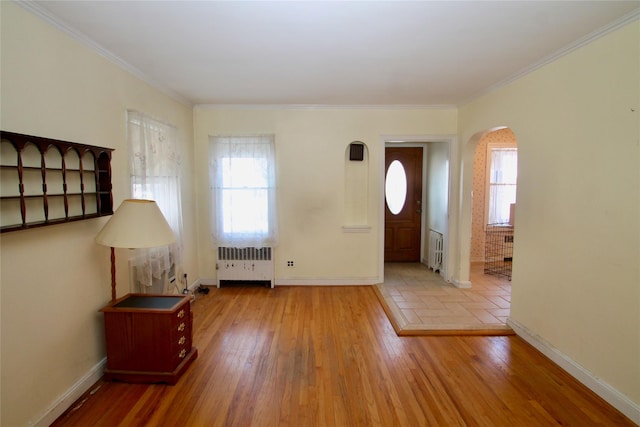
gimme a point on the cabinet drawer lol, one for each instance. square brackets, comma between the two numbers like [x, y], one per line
[148, 340]
[181, 338]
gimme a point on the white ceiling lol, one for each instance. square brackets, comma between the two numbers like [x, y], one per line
[333, 52]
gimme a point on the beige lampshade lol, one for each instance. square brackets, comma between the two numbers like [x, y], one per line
[136, 223]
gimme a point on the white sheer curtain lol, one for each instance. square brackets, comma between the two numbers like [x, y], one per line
[155, 174]
[502, 184]
[243, 184]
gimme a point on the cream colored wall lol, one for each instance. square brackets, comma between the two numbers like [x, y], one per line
[437, 181]
[578, 193]
[576, 271]
[437, 200]
[55, 279]
[310, 151]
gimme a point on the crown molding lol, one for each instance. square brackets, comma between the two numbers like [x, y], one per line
[583, 41]
[322, 107]
[45, 15]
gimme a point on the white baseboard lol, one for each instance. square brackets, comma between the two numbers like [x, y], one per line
[195, 285]
[291, 281]
[616, 399]
[208, 281]
[462, 284]
[70, 396]
[347, 281]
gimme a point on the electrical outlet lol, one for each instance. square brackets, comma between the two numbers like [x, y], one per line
[290, 264]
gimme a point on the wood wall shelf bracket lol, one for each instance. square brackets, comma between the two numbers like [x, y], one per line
[47, 181]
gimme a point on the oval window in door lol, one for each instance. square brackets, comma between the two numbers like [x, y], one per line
[395, 187]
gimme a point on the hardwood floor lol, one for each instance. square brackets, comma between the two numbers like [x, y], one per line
[328, 356]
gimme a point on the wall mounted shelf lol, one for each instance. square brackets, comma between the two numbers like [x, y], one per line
[46, 181]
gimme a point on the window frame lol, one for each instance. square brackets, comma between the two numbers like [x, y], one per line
[225, 147]
[487, 202]
[154, 165]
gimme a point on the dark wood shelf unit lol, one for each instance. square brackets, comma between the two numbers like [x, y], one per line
[47, 181]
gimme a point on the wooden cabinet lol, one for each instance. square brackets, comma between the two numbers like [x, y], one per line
[47, 181]
[149, 338]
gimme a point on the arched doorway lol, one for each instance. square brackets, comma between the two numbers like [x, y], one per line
[487, 236]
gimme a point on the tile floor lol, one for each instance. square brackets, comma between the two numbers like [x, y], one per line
[419, 302]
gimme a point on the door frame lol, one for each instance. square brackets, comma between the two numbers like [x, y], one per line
[420, 141]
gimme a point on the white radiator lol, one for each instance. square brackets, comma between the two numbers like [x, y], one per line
[436, 245]
[245, 265]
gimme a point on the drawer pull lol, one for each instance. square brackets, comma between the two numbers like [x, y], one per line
[182, 340]
[181, 327]
[182, 353]
[181, 314]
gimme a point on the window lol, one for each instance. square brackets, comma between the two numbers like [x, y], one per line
[155, 175]
[396, 187]
[242, 170]
[503, 174]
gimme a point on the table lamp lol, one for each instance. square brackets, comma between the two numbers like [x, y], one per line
[137, 223]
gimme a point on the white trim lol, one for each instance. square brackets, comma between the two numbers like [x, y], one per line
[64, 402]
[68, 398]
[414, 141]
[328, 281]
[462, 284]
[580, 373]
[82, 38]
[193, 287]
[88, 42]
[571, 47]
[314, 281]
[323, 107]
[208, 281]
